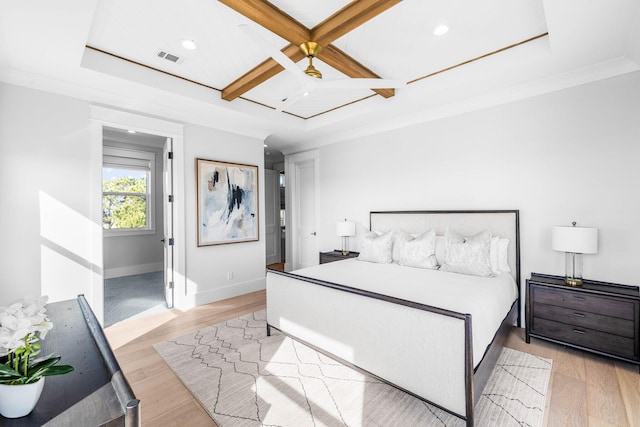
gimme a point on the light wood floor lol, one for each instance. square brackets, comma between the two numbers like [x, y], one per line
[585, 390]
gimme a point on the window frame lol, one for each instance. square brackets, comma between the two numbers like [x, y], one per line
[128, 157]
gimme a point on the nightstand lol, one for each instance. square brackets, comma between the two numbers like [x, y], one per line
[336, 255]
[599, 317]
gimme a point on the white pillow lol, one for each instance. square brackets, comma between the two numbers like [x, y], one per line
[399, 237]
[417, 252]
[441, 248]
[375, 247]
[467, 255]
[499, 255]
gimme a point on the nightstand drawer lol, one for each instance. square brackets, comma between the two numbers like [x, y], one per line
[585, 319]
[612, 344]
[585, 302]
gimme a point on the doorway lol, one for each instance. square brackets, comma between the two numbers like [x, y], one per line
[137, 224]
[274, 209]
[302, 203]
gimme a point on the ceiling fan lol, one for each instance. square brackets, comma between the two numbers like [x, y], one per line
[311, 78]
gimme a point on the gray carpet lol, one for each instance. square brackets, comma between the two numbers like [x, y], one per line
[244, 378]
[128, 297]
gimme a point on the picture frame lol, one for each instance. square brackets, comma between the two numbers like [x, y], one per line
[227, 199]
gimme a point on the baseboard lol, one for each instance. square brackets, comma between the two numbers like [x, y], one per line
[110, 273]
[230, 291]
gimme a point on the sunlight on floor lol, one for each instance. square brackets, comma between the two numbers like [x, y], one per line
[129, 330]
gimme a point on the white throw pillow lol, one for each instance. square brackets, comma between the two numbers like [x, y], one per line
[467, 255]
[399, 237]
[376, 248]
[417, 252]
[441, 249]
[499, 255]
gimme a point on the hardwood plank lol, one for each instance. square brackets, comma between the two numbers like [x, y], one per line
[597, 422]
[570, 362]
[516, 341]
[629, 381]
[604, 400]
[190, 414]
[569, 404]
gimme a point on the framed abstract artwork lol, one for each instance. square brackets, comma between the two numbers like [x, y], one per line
[227, 196]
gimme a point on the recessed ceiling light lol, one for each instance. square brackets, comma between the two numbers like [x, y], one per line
[440, 30]
[189, 44]
[265, 145]
[131, 131]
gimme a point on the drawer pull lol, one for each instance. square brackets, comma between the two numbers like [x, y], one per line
[578, 314]
[578, 331]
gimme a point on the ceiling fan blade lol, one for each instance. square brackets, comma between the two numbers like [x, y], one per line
[274, 53]
[363, 84]
[293, 98]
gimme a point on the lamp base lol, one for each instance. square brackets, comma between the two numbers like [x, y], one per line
[573, 269]
[572, 281]
[345, 253]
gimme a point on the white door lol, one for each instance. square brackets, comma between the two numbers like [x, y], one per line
[272, 215]
[167, 203]
[304, 194]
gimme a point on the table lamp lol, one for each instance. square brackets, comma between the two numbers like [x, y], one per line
[574, 241]
[345, 229]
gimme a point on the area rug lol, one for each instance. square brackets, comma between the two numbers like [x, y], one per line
[244, 378]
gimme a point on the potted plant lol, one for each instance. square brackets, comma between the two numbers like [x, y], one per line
[22, 372]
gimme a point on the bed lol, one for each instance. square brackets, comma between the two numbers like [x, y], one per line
[431, 333]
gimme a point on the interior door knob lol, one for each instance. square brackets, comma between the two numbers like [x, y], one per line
[313, 234]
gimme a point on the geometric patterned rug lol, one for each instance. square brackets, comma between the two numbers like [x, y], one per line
[244, 378]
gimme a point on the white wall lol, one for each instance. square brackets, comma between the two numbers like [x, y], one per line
[567, 156]
[48, 160]
[45, 168]
[208, 266]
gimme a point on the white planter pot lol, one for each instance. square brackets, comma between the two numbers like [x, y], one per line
[19, 400]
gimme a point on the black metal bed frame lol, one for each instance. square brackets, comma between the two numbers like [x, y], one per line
[475, 379]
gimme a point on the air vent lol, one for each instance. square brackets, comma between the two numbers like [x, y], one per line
[170, 57]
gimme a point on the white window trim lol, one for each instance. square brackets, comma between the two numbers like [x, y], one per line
[126, 154]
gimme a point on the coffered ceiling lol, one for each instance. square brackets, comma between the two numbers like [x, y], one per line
[130, 53]
[369, 38]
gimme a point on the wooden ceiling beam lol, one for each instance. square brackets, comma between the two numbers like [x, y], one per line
[342, 62]
[340, 23]
[259, 74]
[348, 18]
[270, 17]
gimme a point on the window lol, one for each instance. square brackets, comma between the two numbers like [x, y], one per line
[127, 191]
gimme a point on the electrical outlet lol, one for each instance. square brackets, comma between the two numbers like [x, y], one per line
[229, 275]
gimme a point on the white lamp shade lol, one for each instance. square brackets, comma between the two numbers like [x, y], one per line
[346, 228]
[579, 240]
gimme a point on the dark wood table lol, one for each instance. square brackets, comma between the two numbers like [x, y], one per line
[96, 392]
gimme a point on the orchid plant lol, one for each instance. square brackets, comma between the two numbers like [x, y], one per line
[22, 325]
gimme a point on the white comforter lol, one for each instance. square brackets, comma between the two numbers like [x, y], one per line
[487, 299]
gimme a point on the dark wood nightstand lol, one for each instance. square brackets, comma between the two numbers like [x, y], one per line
[335, 255]
[600, 317]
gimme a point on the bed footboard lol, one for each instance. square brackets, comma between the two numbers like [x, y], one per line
[390, 338]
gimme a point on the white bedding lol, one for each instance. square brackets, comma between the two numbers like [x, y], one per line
[487, 299]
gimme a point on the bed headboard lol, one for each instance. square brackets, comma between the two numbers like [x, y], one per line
[503, 223]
